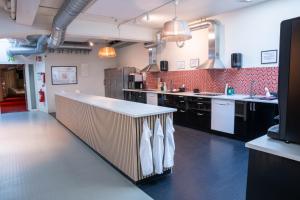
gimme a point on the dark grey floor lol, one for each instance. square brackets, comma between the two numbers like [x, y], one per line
[207, 167]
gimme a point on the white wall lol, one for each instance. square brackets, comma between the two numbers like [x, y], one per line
[248, 31]
[91, 84]
[133, 56]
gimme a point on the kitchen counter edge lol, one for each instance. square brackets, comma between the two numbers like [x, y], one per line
[118, 106]
[275, 147]
[235, 97]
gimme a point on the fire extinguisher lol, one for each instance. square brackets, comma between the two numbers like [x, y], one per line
[42, 96]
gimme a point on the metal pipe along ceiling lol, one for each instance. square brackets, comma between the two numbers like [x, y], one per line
[40, 48]
[66, 14]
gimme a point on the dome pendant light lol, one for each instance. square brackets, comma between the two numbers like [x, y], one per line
[107, 52]
[176, 30]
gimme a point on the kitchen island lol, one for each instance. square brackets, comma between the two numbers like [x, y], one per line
[111, 127]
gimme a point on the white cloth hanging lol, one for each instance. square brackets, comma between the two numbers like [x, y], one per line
[146, 150]
[169, 144]
[158, 147]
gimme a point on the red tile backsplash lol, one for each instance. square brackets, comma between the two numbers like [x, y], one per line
[214, 80]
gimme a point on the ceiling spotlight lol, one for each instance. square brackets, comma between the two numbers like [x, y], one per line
[91, 43]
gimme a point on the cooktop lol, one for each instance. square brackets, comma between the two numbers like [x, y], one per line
[209, 93]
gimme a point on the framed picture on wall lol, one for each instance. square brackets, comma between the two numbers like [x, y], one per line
[194, 62]
[269, 57]
[64, 75]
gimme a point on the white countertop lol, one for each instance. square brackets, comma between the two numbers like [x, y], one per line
[128, 108]
[235, 97]
[275, 147]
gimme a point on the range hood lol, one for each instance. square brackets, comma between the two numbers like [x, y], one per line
[152, 67]
[213, 61]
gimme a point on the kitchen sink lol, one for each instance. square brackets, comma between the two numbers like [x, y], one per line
[149, 90]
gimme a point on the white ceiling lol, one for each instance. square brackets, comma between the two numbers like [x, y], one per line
[117, 11]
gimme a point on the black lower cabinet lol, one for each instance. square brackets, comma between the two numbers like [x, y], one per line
[200, 120]
[177, 102]
[252, 120]
[180, 117]
[139, 97]
[272, 177]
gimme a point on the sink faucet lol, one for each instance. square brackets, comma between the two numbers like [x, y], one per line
[251, 89]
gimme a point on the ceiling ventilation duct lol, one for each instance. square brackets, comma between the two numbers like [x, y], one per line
[213, 61]
[66, 14]
[38, 44]
[73, 47]
[117, 44]
[29, 49]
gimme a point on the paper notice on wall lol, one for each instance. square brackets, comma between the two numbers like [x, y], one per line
[84, 70]
[180, 64]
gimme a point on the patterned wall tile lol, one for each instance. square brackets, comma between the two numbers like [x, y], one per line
[214, 80]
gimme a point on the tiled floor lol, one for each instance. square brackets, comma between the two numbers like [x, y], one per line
[208, 167]
[41, 160]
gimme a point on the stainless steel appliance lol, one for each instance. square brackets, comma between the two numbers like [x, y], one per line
[135, 81]
[116, 79]
[289, 81]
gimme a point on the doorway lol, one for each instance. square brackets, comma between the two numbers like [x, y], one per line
[13, 89]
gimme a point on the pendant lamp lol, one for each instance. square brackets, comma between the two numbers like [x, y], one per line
[176, 30]
[107, 52]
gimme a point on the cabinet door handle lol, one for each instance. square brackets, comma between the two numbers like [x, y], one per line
[182, 111]
[181, 101]
[250, 106]
[254, 108]
[200, 103]
[200, 114]
[223, 104]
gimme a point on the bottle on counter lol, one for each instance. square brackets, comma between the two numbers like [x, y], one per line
[230, 91]
[226, 89]
[165, 87]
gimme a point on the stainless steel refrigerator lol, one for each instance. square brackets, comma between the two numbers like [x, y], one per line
[115, 80]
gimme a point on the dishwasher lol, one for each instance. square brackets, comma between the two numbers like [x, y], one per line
[222, 115]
